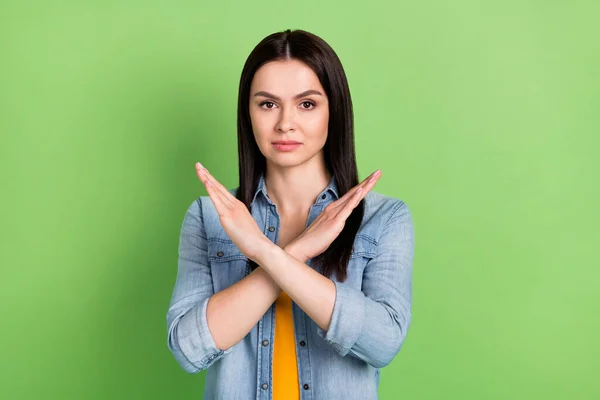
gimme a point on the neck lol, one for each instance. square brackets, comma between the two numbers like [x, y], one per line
[295, 189]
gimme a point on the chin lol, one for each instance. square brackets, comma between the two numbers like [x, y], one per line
[289, 162]
[285, 160]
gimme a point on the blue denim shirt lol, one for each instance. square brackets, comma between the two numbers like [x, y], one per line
[371, 315]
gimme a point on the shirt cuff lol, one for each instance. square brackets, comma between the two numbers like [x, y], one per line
[195, 340]
[347, 319]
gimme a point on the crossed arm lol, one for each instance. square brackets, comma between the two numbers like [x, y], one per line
[232, 312]
[204, 326]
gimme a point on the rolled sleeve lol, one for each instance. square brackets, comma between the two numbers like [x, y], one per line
[195, 337]
[189, 338]
[347, 319]
[371, 324]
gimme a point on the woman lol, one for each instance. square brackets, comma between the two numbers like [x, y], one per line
[297, 283]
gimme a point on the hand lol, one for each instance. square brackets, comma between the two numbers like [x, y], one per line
[330, 223]
[235, 218]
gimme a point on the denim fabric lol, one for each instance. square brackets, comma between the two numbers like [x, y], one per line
[371, 316]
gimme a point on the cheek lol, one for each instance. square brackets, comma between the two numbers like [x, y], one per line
[258, 126]
[317, 125]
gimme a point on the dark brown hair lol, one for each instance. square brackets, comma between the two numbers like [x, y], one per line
[339, 147]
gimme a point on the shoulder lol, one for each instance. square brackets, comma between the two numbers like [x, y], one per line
[194, 210]
[383, 211]
[202, 210]
[204, 204]
[380, 205]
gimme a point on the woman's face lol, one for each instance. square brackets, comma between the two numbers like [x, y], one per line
[288, 103]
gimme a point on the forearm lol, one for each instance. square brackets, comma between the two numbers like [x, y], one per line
[232, 312]
[314, 293]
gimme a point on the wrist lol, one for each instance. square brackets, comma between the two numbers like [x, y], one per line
[263, 251]
[295, 252]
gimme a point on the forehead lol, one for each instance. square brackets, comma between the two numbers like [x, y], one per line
[286, 78]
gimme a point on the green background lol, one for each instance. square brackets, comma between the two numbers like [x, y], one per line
[483, 117]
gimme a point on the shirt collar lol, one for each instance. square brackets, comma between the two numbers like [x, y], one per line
[331, 191]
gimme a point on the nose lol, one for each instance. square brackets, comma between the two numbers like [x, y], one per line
[286, 122]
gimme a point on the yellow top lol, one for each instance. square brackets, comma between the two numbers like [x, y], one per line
[285, 365]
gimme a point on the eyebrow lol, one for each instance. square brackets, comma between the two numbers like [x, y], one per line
[272, 96]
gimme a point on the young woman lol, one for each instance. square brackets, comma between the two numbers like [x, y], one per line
[297, 284]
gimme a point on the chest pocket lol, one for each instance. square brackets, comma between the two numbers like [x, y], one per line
[364, 246]
[364, 249]
[228, 264]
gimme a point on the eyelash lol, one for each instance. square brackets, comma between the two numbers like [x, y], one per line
[306, 101]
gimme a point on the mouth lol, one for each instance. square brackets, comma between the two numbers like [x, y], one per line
[286, 146]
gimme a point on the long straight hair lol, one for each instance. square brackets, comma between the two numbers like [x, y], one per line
[339, 151]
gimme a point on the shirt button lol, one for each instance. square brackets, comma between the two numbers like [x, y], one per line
[220, 254]
[264, 386]
[306, 386]
[265, 342]
[323, 196]
[302, 343]
[271, 228]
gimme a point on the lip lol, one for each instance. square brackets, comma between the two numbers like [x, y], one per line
[286, 142]
[286, 146]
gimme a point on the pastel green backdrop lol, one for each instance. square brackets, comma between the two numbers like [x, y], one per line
[483, 117]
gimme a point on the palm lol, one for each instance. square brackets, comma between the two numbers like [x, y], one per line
[240, 226]
[330, 223]
[236, 220]
[320, 234]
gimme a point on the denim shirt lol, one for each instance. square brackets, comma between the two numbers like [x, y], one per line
[371, 315]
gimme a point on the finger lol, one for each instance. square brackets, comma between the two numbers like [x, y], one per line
[220, 190]
[351, 204]
[200, 173]
[345, 209]
[351, 192]
[360, 193]
[215, 197]
[214, 193]
[370, 180]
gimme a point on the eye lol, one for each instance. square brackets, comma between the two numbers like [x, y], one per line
[310, 104]
[266, 102]
[306, 105]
